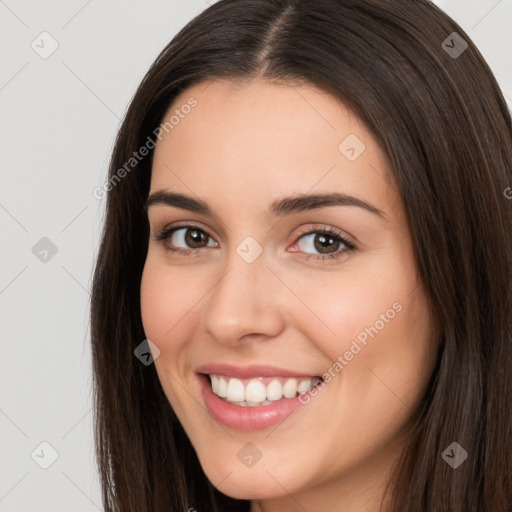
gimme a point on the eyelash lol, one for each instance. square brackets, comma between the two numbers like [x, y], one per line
[166, 233]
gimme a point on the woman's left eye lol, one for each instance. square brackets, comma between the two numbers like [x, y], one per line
[329, 243]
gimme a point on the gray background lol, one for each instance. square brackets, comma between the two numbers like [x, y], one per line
[59, 118]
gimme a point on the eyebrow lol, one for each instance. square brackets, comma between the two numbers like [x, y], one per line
[279, 208]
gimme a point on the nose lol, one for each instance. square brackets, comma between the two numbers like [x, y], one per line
[245, 303]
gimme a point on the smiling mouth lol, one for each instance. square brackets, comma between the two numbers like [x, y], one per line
[259, 391]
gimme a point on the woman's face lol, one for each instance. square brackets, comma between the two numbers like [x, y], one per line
[267, 297]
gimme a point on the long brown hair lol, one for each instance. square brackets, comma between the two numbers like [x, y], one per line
[440, 117]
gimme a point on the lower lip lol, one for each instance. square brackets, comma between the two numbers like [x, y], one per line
[246, 418]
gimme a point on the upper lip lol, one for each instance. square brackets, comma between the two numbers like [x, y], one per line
[249, 371]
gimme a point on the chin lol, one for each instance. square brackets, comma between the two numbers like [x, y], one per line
[246, 483]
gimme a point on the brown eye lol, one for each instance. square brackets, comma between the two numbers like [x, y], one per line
[326, 242]
[323, 243]
[185, 238]
[195, 238]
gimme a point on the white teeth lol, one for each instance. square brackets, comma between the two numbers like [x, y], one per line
[222, 387]
[253, 392]
[304, 385]
[274, 390]
[236, 391]
[290, 388]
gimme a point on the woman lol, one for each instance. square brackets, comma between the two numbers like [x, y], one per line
[308, 234]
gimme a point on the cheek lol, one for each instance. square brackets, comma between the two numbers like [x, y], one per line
[373, 324]
[167, 296]
[381, 357]
[155, 301]
[387, 351]
[358, 303]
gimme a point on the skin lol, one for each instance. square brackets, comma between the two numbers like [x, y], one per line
[242, 147]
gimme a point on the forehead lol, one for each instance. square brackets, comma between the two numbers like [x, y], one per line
[249, 141]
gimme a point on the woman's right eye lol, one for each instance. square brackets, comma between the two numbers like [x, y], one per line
[185, 239]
